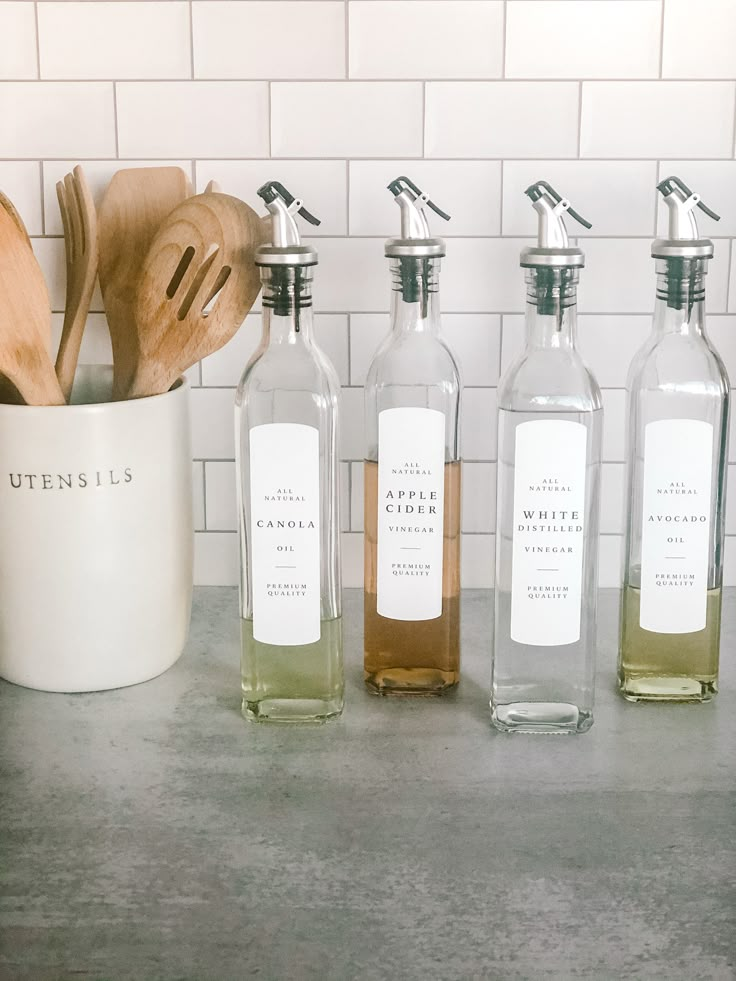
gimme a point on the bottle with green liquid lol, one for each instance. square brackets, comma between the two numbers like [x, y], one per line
[286, 418]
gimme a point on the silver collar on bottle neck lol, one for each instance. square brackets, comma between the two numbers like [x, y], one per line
[553, 247]
[286, 248]
[416, 239]
[683, 240]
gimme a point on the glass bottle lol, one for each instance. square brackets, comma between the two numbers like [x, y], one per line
[412, 476]
[677, 455]
[549, 463]
[287, 475]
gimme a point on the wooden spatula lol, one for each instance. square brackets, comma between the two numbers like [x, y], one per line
[25, 316]
[199, 281]
[6, 203]
[79, 218]
[134, 207]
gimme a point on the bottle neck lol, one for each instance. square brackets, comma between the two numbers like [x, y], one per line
[680, 304]
[415, 303]
[287, 304]
[551, 307]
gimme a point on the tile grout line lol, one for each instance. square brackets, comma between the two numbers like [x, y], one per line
[191, 38]
[38, 40]
[661, 37]
[504, 36]
[115, 119]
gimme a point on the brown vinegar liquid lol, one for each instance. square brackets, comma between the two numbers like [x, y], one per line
[413, 657]
[669, 667]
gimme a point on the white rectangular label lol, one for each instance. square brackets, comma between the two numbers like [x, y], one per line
[678, 455]
[285, 533]
[549, 530]
[411, 500]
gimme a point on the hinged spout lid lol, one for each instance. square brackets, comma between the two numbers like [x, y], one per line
[552, 248]
[683, 240]
[415, 239]
[286, 247]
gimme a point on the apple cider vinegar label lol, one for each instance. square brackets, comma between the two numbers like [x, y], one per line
[285, 533]
[549, 532]
[411, 492]
[675, 544]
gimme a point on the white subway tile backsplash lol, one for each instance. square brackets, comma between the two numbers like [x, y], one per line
[20, 181]
[57, 119]
[710, 179]
[568, 39]
[198, 494]
[192, 119]
[501, 119]
[221, 506]
[616, 197]
[474, 339]
[238, 40]
[213, 426]
[320, 184]
[573, 99]
[426, 39]
[478, 439]
[352, 439]
[477, 558]
[346, 119]
[657, 119]
[449, 184]
[479, 498]
[115, 40]
[609, 561]
[699, 41]
[613, 478]
[18, 58]
[98, 174]
[614, 425]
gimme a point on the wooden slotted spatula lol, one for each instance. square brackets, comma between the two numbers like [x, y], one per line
[133, 209]
[79, 218]
[25, 316]
[199, 281]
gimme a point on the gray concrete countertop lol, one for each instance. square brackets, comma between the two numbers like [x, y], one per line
[152, 833]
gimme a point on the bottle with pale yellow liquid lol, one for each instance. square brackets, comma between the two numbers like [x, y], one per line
[287, 479]
[677, 461]
[412, 476]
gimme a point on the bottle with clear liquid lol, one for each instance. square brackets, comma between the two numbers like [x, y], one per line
[412, 476]
[286, 419]
[677, 453]
[549, 464]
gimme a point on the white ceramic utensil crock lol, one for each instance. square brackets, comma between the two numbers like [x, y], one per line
[96, 537]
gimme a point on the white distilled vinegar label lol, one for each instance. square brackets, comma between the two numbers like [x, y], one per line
[676, 525]
[411, 493]
[285, 533]
[549, 529]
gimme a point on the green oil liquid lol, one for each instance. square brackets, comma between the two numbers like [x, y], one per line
[292, 684]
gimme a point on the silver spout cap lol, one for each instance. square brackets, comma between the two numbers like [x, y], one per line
[553, 247]
[286, 248]
[416, 239]
[683, 240]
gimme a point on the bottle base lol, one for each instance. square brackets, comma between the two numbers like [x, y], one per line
[411, 681]
[541, 718]
[653, 688]
[289, 710]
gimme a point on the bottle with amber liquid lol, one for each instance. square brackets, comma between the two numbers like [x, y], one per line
[412, 475]
[677, 460]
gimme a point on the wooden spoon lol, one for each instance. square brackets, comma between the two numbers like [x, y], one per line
[6, 203]
[79, 218]
[25, 316]
[198, 283]
[134, 206]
